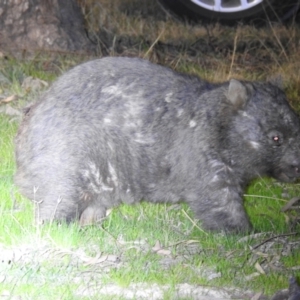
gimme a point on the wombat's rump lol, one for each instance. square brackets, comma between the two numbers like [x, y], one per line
[118, 130]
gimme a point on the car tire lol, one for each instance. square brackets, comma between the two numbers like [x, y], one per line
[231, 11]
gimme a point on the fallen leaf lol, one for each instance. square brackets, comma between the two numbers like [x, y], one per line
[256, 296]
[259, 268]
[157, 246]
[164, 252]
[9, 99]
[251, 276]
[159, 250]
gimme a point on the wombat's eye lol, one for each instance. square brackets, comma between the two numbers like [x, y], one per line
[277, 140]
[275, 137]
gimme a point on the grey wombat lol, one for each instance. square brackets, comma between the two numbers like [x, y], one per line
[118, 130]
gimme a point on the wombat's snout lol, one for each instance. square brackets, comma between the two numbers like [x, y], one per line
[292, 169]
[295, 167]
[288, 170]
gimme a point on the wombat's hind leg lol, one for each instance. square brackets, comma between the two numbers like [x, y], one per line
[92, 215]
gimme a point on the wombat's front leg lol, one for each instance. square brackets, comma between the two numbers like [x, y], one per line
[220, 205]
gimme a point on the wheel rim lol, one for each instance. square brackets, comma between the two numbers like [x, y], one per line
[227, 6]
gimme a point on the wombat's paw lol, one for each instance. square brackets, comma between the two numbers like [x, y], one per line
[91, 215]
[226, 224]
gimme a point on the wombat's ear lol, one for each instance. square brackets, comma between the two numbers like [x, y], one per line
[237, 93]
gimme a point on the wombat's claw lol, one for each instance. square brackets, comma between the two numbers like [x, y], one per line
[91, 215]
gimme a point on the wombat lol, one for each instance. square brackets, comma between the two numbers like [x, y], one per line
[293, 293]
[118, 130]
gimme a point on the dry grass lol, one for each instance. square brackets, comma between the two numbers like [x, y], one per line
[213, 51]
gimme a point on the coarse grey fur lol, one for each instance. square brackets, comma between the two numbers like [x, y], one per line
[118, 130]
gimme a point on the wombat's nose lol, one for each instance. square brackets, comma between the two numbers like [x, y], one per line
[296, 166]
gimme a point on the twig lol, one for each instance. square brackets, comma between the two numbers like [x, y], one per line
[266, 197]
[290, 204]
[153, 44]
[193, 222]
[233, 54]
[274, 237]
